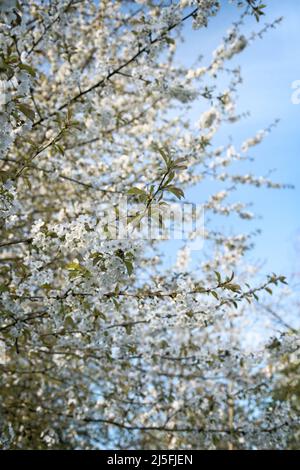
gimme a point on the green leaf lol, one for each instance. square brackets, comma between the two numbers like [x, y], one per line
[99, 314]
[189, 313]
[169, 40]
[174, 190]
[129, 266]
[28, 69]
[116, 303]
[218, 276]
[282, 279]
[170, 178]
[180, 163]
[229, 279]
[214, 294]
[46, 287]
[135, 220]
[73, 266]
[59, 148]
[233, 287]
[69, 322]
[137, 191]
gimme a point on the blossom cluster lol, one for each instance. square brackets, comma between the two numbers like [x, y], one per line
[106, 343]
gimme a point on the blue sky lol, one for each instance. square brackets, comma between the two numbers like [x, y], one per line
[269, 67]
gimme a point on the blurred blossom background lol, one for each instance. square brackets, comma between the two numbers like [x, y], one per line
[268, 67]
